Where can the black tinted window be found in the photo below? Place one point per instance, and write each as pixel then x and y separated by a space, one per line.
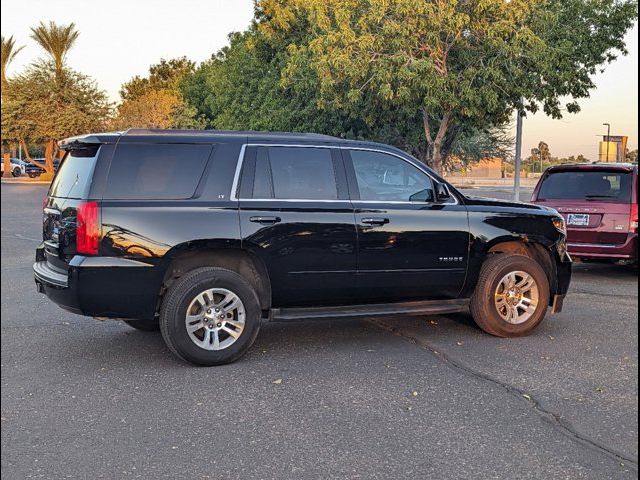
pixel 300 173
pixel 73 179
pixel 383 177
pixel 156 171
pixel 262 185
pixel 603 186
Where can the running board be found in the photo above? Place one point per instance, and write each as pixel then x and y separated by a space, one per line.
pixel 429 307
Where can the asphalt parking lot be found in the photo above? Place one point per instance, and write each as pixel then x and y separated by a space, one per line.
pixel 401 398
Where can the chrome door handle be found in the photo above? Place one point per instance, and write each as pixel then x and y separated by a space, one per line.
pixel 265 220
pixel 375 221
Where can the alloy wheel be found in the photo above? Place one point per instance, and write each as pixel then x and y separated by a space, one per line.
pixel 517 297
pixel 215 319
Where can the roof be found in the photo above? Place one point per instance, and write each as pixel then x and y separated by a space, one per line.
pixel 225 133
pixel 206 136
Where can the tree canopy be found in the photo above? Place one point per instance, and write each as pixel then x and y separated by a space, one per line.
pixel 449 61
pixel 241 87
pixel 41 108
pixel 156 101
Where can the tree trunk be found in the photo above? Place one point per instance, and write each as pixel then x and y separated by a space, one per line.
pixel 436 143
pixel 25 149
pixel 49 155
pixel 6 162
pixel 437 157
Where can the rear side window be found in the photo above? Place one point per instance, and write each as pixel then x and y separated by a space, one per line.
pixel 156 172
pixel 75 174
pixel 602 186
pixel 300 173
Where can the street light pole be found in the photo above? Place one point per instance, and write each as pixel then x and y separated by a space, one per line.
pixel 608 139
pixel 518 158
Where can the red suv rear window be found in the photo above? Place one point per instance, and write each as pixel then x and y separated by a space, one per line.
pixel 589 185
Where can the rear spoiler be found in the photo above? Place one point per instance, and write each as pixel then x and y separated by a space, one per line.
pixel 84 142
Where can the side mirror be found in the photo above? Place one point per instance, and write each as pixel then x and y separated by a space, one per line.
pixel 442 192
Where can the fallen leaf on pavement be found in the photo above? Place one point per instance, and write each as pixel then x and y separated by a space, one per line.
pixel 278 381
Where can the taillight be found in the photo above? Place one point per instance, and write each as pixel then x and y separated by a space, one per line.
pixel 88 228
pixel 45 200
pixel 633 225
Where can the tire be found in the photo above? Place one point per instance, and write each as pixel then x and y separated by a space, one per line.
pixel 489 314
pixel 191 294
pixel 16 172
pixel 144 325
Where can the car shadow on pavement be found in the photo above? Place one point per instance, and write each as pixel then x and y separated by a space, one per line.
pixel 113 343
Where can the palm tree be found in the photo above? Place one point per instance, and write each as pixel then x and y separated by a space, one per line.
pixel 9 52
pixel 56 40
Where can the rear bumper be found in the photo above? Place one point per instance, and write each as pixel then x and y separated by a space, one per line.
pixel 627 250
pixel 100 286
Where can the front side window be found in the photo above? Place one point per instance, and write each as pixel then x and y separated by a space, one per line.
pixel 387 178
pixel 158 171
pixel 301 173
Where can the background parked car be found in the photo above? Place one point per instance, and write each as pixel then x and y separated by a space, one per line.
pixel 17 167
pixel 599 202
pixel 36 168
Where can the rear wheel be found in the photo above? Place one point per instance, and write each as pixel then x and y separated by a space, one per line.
pixel 144 325
pixel 16 172
pixel 511 296
pixel 210 316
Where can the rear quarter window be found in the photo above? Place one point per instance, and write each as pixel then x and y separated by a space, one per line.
pixel 73 179
pixel 156 172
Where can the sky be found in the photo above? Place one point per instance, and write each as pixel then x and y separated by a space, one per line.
pixel 121 38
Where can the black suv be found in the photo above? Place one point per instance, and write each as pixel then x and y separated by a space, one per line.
pixel 206 234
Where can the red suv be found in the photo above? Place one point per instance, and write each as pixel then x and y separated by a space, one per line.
pixel 599 202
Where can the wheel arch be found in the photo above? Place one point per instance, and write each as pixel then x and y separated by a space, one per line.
pixel 529 248
pixel 206 253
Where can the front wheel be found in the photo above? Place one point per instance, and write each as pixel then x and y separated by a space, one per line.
pixel 210 316
pixel 511 296
pixel 16 172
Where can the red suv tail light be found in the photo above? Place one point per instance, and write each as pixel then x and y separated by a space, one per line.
pixel 633 225
pixel 88 228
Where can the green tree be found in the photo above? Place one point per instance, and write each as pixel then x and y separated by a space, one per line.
pixel 451 61
pixel 540 157
pixel 56 40
pixel 241 88
pixel 166 75
pixel 9 52
pixel 157 101
pixel 41 107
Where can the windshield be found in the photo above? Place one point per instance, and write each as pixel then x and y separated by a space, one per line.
pixel 74 176
pixel 592 185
